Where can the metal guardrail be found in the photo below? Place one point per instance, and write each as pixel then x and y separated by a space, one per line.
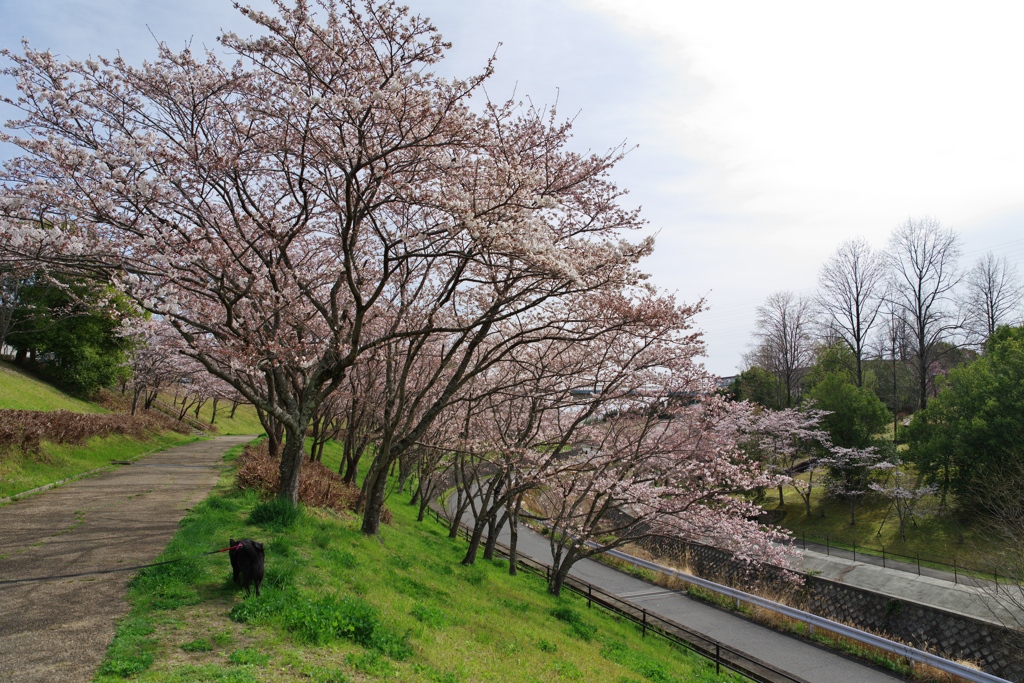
pixel 723 656
pixel 700 646
pixel 813 620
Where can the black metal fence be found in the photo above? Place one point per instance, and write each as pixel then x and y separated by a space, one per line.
pixel 723 656
pixel 922 565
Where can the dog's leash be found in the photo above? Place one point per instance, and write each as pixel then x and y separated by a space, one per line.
pixel 119 569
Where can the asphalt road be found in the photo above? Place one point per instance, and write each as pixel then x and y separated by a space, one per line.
pixel 58 630
pixel 788 653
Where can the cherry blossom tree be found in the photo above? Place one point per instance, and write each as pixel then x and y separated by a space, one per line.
pixel 902 493
pixel 850 471
pixel 523 414
pixel 154 359
pixel 786 441
pixel 676 471
pixel 324 195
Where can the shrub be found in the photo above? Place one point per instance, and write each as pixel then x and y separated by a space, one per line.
pixel 323 620
pixel 128 665
pixel 27 429
pixel 275 513
pixel 318 485
pixel 319 622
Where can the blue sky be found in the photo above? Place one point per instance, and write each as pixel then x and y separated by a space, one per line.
pixel 767 133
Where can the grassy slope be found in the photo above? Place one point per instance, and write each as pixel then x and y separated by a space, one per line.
pixel 427 617
pixel 20 472
pixel 938 534
pixel 20 391
pixel 245 421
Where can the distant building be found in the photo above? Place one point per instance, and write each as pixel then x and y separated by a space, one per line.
pixel 724 382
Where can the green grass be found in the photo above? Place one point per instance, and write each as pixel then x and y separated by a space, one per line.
pixel 939 534
pixel 245 420
pixel 21 472
pixel 21 391
pixel 339 606
pixel 333 454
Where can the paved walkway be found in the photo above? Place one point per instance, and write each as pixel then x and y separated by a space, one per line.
pixel 58 630
pixel 788 653
pixel 976 599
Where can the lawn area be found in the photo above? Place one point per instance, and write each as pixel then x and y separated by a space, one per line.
pixel 21 391
pixel 939 534
pixel 22 472
pixel 245 420
pixel 338 606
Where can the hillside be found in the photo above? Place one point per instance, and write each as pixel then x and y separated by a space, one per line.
pixel 22 471
pixel 338 606
pixel 245 420
pixel 21 391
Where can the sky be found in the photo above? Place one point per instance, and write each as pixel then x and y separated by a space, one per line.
pixel 761 135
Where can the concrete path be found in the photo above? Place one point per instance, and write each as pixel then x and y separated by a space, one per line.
pixel 58 630
pixel 973 598
pixel 793 655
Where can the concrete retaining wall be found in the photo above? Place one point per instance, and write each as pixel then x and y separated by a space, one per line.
pixel 999 651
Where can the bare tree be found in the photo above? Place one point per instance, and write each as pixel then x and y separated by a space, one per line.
pixel 784 340
pixel 993 296
pixel 891 344
pixel 850 293
pixel 923 261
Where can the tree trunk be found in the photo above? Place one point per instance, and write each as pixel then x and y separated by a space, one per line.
pixel 923 383
pixel 461 505
pixel 213 417
pixel 404 470
pixel 274 431
pixel 416 491
pixel 374 504
pixel 316 438
pixel 782 501
pixel 474 540
pixel 234 407
pixel 494 528
pixel 513 542
pixel 291 464
pixel 375 488
pixel 424 504
pixel 558 577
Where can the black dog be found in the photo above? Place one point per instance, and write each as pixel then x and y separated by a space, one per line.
pixel 247 561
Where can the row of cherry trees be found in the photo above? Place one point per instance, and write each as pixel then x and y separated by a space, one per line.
pixel 364 249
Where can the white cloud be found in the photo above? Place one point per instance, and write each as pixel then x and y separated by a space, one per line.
pixel 767 131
